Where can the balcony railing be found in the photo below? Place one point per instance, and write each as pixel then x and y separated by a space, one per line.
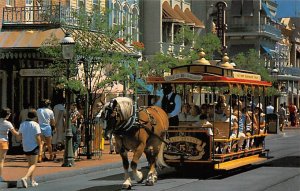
pixel 52 14
pixel 271 30
pixel 175 49
pixel 242 28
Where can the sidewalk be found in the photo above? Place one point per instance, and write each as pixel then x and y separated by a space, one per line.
pixel 15 167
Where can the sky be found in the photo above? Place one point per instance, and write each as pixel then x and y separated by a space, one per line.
pixel 288 8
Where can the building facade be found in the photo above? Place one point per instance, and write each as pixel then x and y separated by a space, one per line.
pixel 26 25
pixel 253 24
pixel 161 20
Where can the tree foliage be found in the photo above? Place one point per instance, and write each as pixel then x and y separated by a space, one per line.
pixel 193 42
pixel 99 63
pixel 251 61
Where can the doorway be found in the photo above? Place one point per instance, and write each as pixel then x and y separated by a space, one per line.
pixel 3 88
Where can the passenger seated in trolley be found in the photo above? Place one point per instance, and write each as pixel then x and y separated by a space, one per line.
pixel 259 122
pixel 220 113
pixel 195 112
pixel 238 132
pixel 203 122
pixel 247 121
pixel 208 110
pixel 232 119
pixel 204 108
pixel 185 112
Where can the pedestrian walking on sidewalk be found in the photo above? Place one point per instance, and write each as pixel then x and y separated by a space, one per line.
pixel 76 121
pixel 282 117
pixel 293 112
pixel 60 119
pixel 5 127
pixel 46 121
pixel 30 132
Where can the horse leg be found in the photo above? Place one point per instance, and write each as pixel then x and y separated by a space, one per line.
pixel 127 180
pixel 138 176
pixel 152 174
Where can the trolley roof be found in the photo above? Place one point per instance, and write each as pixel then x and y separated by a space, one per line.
pixel 209 75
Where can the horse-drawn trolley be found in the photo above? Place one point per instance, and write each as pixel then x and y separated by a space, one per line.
pixel 231 129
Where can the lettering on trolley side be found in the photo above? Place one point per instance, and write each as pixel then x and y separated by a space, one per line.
pixel 187 144
pixel 183 75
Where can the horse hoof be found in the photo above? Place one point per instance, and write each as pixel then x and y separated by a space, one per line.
pixel 140 181
pixel 126 187
pixel 149 183
pixel 155 179
pixel 139 178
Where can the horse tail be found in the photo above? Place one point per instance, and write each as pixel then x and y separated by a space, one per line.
pixel 160 162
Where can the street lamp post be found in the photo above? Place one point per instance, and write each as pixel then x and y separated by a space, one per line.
pixel 67 45
pixel 274 73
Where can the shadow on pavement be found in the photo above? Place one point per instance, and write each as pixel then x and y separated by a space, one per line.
pixel 114 187
pixel 288 161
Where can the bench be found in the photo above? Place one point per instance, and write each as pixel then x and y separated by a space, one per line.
pixel 221 131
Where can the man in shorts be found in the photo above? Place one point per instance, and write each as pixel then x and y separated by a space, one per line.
pixel 31 139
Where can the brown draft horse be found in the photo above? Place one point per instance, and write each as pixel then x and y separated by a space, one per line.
pixel 142 135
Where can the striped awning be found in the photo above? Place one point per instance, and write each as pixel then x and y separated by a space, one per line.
pixel 267 11
pixel 187 20
pixel 169 15
pixel 13 43
pixel 191 15
pixel 268 51
pixel 27 39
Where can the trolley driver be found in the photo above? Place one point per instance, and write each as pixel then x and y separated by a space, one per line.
pixel 170 102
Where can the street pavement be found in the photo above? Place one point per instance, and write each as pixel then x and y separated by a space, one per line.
pixel 15 167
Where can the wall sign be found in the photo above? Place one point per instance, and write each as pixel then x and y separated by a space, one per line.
pixel 221 24
pixel 39 72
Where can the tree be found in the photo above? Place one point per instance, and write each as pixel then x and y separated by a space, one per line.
pixel 99 62
pixel 160 63
pixel 251 61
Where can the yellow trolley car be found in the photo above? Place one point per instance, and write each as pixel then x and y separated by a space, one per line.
pixel 202 83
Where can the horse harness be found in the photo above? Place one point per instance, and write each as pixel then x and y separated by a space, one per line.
pixel 133 123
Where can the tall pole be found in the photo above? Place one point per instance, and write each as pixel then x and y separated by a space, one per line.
pixel 88 129
pixel 67 45
pixel 68 154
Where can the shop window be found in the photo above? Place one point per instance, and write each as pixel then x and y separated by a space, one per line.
pixel 81 4
pixel 134 27
pixel 9 2
pixel 126 23
pixel 116 16
pixel 96 5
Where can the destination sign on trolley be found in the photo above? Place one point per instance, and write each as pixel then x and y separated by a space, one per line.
pixel 246 76
pixel 183 75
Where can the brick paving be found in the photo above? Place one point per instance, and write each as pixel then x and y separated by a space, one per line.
pixel 15 166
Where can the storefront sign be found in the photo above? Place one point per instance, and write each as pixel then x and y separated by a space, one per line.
pixel 39 72
pixel 221 24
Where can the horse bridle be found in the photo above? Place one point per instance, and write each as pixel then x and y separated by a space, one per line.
pixel 113 111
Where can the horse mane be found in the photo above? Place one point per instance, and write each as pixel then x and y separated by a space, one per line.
pixel 125 104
